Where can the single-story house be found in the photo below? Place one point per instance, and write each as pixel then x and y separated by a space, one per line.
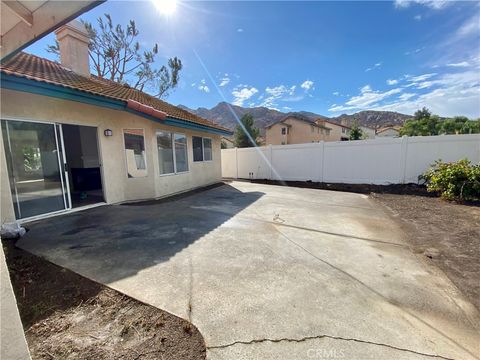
pixel 71 139
pixel 388 131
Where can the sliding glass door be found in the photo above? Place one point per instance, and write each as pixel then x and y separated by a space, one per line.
pixel 35 167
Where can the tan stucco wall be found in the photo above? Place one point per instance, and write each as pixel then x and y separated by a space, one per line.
pixel 388 133
pixel 336 133
pixel 300 133
pixel 117 186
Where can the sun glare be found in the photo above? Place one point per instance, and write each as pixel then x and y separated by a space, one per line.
pixel 165 7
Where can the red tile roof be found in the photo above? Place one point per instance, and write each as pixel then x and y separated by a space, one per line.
pixel 40 69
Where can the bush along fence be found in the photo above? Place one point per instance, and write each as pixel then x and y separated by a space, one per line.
pixel 377 161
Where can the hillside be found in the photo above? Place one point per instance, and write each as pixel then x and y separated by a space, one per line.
pixel 373 119
pixel 221 114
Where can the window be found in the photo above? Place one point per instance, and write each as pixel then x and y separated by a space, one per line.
pixel 197 148
pixel 327 131
pixel 207 149
pixel 170 161
pixel 202 149
pixel 181 156
pixel 284 131
pixel 135 152
pixel 344 131
pixel 165 152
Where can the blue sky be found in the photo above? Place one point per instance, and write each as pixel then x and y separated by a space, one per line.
pixel 325 57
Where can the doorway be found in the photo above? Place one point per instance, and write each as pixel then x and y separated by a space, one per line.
pixel 83 164
pixel 34 166
pixel 51 167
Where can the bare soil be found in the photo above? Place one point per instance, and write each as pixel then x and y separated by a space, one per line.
pixel 404 189
pixel 446 233
pixel 66 316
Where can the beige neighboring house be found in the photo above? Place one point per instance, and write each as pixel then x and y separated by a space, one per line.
pixel 368 133
pixel 295 129
pixel 228 142
pixel 339 132
pixel 388 131
pixel 71 139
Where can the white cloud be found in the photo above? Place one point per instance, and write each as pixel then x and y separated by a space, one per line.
pixel 240 30
pixel 460 64
pixel 418 17
pixel 225 80
pixel 367 98
pixel 279 93
pixel 203 86
pixel 433 4
pixel 336 93
pixel 416 51
pixel 392 81
pixel 447 94
pixel 470 27
pixel 406 96
pixel 375 66
pixel 419 78
pixel 307 85
pixel 242 93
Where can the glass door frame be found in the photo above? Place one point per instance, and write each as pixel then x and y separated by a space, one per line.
pixel 62 163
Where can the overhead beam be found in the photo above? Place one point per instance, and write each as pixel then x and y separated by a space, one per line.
pixel 46 18
pixel 21 11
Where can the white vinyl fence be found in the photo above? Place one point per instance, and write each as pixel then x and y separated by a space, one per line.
pixel 377 161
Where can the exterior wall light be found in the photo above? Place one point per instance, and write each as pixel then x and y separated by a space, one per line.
pixel 108 132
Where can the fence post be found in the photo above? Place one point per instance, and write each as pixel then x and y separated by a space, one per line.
pixel 236 163
pixel 321 159
pixel 403 159
pixel 270 155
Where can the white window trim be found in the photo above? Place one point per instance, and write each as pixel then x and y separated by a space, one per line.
pixel 203 149
pixel 125 154
pixel 172 138
pixel 175 155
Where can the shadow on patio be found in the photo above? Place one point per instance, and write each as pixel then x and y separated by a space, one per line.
pixel 115 242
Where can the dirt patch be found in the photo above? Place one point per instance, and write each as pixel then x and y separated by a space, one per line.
pixel 404 189
pixel 447 234
pixel 66 316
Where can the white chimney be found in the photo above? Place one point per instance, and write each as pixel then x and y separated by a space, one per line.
pixel 73 42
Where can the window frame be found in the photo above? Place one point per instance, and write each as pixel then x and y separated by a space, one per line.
pixel 125 152
pixel 175 154
pixel 172 139
pixel 203 149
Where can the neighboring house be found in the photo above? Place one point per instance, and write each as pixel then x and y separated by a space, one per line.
pixel 71 139
pixel 227 142
pixel 388 131
pixel 295 129
pixel 368 133
pixel 339 132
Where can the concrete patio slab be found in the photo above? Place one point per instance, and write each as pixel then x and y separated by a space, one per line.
pixel 271 272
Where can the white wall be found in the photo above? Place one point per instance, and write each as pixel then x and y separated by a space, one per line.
pixel 376 161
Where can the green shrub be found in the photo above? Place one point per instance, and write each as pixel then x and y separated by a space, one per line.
pixel 454 181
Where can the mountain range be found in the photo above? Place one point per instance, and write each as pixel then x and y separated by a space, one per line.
pixel 222 115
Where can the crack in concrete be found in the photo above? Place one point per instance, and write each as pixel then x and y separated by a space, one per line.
pixel 306 338
pixel 190 289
